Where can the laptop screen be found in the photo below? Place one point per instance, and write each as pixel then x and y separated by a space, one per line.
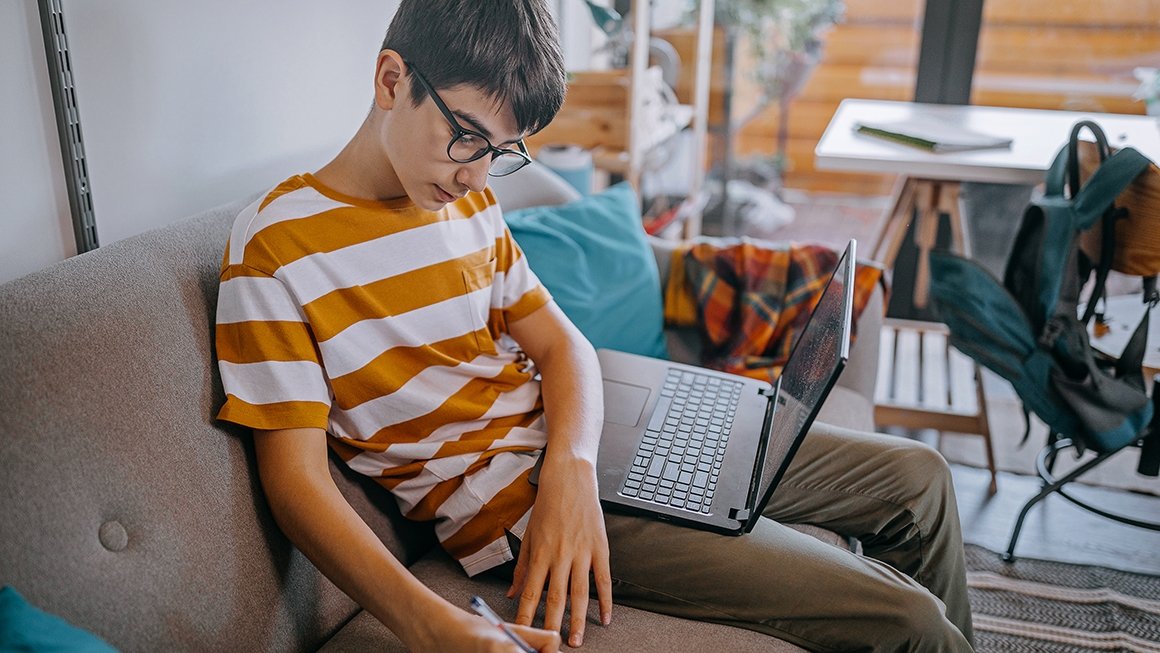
pixel 821 351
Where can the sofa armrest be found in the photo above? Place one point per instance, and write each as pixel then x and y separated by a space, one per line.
pixel 861 373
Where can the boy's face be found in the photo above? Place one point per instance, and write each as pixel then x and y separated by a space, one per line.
pixel 415 139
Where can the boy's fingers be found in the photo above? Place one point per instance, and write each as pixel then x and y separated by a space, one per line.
pixel 579 605
pixel 533 586
pixel 557 599
pixel 519 574
pixel 544 641
pixel 603 576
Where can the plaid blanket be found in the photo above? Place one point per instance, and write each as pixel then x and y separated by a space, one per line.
pixel 750 302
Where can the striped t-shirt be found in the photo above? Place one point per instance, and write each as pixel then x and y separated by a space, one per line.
pixel 386 325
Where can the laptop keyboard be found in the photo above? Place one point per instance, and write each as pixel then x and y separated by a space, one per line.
pixel 679 457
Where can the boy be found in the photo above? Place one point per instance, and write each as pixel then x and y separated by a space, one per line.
pixel 381 308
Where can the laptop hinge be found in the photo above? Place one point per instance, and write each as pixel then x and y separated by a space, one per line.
pixel 770 392
pixel 740 514
pixel 759 460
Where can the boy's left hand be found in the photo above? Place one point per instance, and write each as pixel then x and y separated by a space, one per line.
pixel 565 540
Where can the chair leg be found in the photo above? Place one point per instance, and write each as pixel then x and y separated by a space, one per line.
pixel 984 430
pixel 1009 556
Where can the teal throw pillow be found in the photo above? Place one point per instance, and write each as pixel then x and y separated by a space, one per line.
pixel 592 255
pixel 25 628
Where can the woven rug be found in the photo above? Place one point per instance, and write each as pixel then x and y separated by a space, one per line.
pixel 1052 607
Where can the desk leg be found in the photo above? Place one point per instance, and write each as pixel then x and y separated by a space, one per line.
pixel 932 199
pixel 925 237
pixel 892 228
pixel 948 203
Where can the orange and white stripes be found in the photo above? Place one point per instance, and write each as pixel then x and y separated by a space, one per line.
pixel 385 325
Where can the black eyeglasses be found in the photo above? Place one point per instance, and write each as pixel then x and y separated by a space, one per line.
pixel 467 145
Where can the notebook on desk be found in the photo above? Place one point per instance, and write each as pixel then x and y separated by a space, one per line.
pixel 705 448
pixel 932 134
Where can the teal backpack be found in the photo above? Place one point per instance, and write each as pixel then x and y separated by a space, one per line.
pixel 1027 329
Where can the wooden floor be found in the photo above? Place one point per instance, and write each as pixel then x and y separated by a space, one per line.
pixel 1055 529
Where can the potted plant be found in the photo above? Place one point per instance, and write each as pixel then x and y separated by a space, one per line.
pixel 784 37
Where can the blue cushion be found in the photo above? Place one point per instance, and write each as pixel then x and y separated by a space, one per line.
pixel 25 628
pixel 592 255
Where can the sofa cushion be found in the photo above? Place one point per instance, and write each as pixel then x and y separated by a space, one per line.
pixel 631 630
pixel 593 257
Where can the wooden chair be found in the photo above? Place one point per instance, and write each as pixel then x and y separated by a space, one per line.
pixel 923 382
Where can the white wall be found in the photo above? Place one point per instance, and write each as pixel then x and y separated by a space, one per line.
pixel 576 33
pixel 183 105
pixel 34 214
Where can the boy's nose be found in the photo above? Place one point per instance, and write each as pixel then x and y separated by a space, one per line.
pixel 474 174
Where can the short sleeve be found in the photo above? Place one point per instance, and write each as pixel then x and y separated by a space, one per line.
pixel 267 355
pixel 521 292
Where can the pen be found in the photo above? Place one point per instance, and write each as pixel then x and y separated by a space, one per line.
pixel 484 610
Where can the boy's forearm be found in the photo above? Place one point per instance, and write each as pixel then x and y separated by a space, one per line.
pixel 318 520
pixel 573 401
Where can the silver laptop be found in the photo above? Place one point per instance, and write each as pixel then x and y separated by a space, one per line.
pixel 705 448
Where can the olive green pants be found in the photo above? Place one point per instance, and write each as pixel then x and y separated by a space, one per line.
pixel 907 592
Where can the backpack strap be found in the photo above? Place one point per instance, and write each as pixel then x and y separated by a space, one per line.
pixel 1065 167
pixel 1026 424
pixel 1097 199
pixel 1104 264
pixel 1053 183
pixel 1131 360
pixel 1073 167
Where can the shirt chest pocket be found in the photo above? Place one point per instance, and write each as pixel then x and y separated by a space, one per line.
pixel 477 282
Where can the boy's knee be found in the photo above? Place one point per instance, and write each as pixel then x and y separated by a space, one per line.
pixel 917 622
pixel 924 468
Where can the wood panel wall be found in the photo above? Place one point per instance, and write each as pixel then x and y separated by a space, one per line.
pixel 1045 54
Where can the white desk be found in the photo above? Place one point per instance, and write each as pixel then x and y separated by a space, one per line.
pixel 1037 135
pixel 928 187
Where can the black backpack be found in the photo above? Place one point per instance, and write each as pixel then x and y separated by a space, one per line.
pixel 1027 330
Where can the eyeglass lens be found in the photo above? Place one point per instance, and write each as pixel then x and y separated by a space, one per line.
pixel 470 147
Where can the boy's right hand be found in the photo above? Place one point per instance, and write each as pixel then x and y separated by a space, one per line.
pixel 544 641
pixel 472 634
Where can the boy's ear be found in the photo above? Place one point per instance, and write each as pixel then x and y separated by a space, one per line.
pixel 389 70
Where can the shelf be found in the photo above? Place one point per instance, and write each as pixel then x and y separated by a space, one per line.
pixel 616 159
pixel 623 115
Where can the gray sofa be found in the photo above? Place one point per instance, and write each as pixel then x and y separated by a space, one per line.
pixel 129 511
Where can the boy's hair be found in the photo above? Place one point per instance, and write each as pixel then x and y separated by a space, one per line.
pixel 509 49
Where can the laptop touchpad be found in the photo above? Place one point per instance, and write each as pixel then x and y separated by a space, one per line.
pixel 623 403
